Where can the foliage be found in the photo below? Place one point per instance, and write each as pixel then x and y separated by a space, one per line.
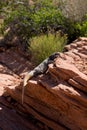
pixel 44 16
pixel 81 28
pixel 75 29
pixel 42 46
pixel 47 17
pixel 15 14
pixel 70 30
pixel 27 21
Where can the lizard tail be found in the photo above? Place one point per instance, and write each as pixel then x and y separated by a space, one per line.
pixel 26 78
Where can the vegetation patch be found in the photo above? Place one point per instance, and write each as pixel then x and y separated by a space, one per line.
pixel 44 45
pixel 38 24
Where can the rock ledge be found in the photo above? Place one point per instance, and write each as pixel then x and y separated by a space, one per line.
pixel 59 97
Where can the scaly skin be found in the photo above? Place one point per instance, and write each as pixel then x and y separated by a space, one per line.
pixel 40 69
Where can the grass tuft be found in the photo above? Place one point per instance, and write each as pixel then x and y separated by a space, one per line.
pixel 43 46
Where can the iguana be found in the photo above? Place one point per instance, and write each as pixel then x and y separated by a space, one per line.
pixel 40 69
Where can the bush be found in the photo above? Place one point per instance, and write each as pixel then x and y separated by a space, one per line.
pixel 81 28
pixel 15 17
pixel 28 21
pixel 46 16
pixel 43 46
pixel 75 29
pixel 43 16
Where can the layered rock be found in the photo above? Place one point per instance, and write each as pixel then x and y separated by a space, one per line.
pixel 58 98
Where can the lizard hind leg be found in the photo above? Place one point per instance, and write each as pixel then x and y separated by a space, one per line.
pixel 27 77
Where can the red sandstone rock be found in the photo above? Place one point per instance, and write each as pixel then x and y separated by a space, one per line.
pixel 57 98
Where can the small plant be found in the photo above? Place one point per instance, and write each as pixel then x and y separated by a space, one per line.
pixel 43 46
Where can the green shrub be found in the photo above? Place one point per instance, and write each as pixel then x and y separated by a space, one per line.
pixel 75 29
pixel 28 21
pixel 81 28
pixel 15 17
pixel 46 16
pixel 42 46
pixel 43 17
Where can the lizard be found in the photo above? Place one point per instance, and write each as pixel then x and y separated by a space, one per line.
pixel 40 69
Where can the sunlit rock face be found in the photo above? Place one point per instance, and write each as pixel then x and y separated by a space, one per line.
pixel 58 97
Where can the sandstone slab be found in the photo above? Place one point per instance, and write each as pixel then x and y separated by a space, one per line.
pixel 57 98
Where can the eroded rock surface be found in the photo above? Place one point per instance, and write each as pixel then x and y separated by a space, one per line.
pixel 57 98
pixel 12 68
